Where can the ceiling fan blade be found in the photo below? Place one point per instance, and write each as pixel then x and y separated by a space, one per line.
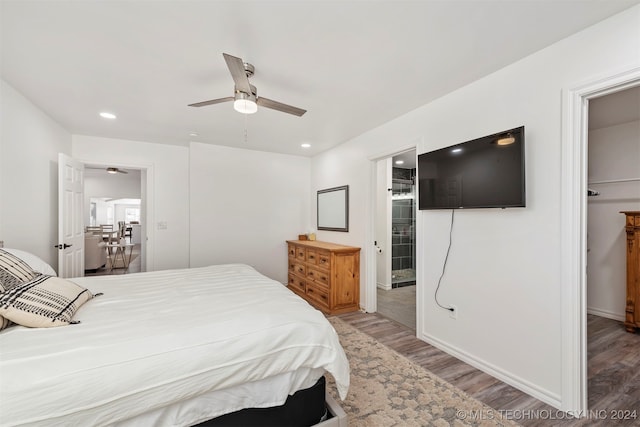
pixel 211 102
pixel 113 170
pixel 236 68
pixel 275 105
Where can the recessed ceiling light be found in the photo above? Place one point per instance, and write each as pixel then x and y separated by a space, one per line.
pixel 305 145
pixel 399 162
pixel 456 150
pixel 106 115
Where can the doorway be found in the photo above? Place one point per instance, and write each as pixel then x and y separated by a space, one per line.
pixel 114 209
pixel 574 241
pixel 613 179
pixel 396 233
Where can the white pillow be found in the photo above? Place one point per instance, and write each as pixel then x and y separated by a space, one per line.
pixel 34 262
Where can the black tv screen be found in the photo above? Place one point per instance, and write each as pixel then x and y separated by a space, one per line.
pixel 487 172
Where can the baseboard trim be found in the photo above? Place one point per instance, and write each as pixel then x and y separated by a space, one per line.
pixel 383 286
pixel 521 384
pixel 605 313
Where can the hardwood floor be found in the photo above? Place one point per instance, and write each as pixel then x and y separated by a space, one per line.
pixel 399 304
pixel 134 266
pixel 613 373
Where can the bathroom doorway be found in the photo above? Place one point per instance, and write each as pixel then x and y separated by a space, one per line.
pixel 403 222
pixel 396 219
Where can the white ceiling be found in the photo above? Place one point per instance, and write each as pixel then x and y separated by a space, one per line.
pixel 353 65
pixel 408 159
pixel 617 108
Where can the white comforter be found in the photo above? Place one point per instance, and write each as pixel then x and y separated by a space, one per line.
pixel 156 339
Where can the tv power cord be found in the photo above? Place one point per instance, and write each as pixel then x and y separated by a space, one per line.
pixel 444 265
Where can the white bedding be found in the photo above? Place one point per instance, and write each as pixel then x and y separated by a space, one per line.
pixel 156 339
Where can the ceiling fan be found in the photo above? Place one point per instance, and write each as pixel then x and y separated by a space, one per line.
pixel 246 99
pixel 116 170
pixel 110 169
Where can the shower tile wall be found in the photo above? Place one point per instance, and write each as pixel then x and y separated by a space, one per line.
pixel 402 245
pixel 403 221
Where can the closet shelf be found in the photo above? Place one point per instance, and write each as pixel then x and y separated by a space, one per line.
pixel 613 181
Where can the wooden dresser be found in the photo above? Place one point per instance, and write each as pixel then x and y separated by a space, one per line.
pixel 325 274
pixel 632 309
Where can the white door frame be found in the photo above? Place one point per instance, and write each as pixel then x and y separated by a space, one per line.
pixel 574 230
pixel 370 297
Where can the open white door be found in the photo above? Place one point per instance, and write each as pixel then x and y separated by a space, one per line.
pixel 70 217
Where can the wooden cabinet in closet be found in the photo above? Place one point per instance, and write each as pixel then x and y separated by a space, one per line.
pixel 632 309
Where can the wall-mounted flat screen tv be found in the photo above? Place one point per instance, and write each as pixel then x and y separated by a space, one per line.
pixel 487 172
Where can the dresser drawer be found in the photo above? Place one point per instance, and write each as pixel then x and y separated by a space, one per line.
pixel 633 220
pixel 301 254
pixel 312 257
pixel 318 294
pixel 324 260
pixel 318 275
pixel 297 283
pixel 298 268
pixel 292 251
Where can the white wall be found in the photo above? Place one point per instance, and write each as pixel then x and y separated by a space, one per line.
pixel 29 145
pixel 504 267
pixel 120 211
pixel 102 212
pixel 168 197
pixel 245 205
pixel 614 153
pixel 98 184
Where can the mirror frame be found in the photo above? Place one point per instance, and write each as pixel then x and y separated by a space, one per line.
pixel 333 209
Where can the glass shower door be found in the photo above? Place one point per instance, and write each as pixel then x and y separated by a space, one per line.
pixel 403 225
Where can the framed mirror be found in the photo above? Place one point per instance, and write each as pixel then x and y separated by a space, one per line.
pixel 333 209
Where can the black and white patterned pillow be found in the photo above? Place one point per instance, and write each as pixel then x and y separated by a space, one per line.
pixel 13 271
pixel 43 302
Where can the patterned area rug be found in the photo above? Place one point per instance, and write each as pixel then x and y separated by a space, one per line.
pixel 387 389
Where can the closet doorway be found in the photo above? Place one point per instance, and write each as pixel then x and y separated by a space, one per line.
pixel 613 186
pixel 396 237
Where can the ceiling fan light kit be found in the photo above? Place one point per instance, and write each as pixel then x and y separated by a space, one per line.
pixel 245 104
pixel 245 99
pixel 115 170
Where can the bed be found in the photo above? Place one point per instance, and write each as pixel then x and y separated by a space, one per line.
pixel 171 348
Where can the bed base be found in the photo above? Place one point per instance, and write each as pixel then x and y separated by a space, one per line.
pixel 336 417
pixel 303 408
